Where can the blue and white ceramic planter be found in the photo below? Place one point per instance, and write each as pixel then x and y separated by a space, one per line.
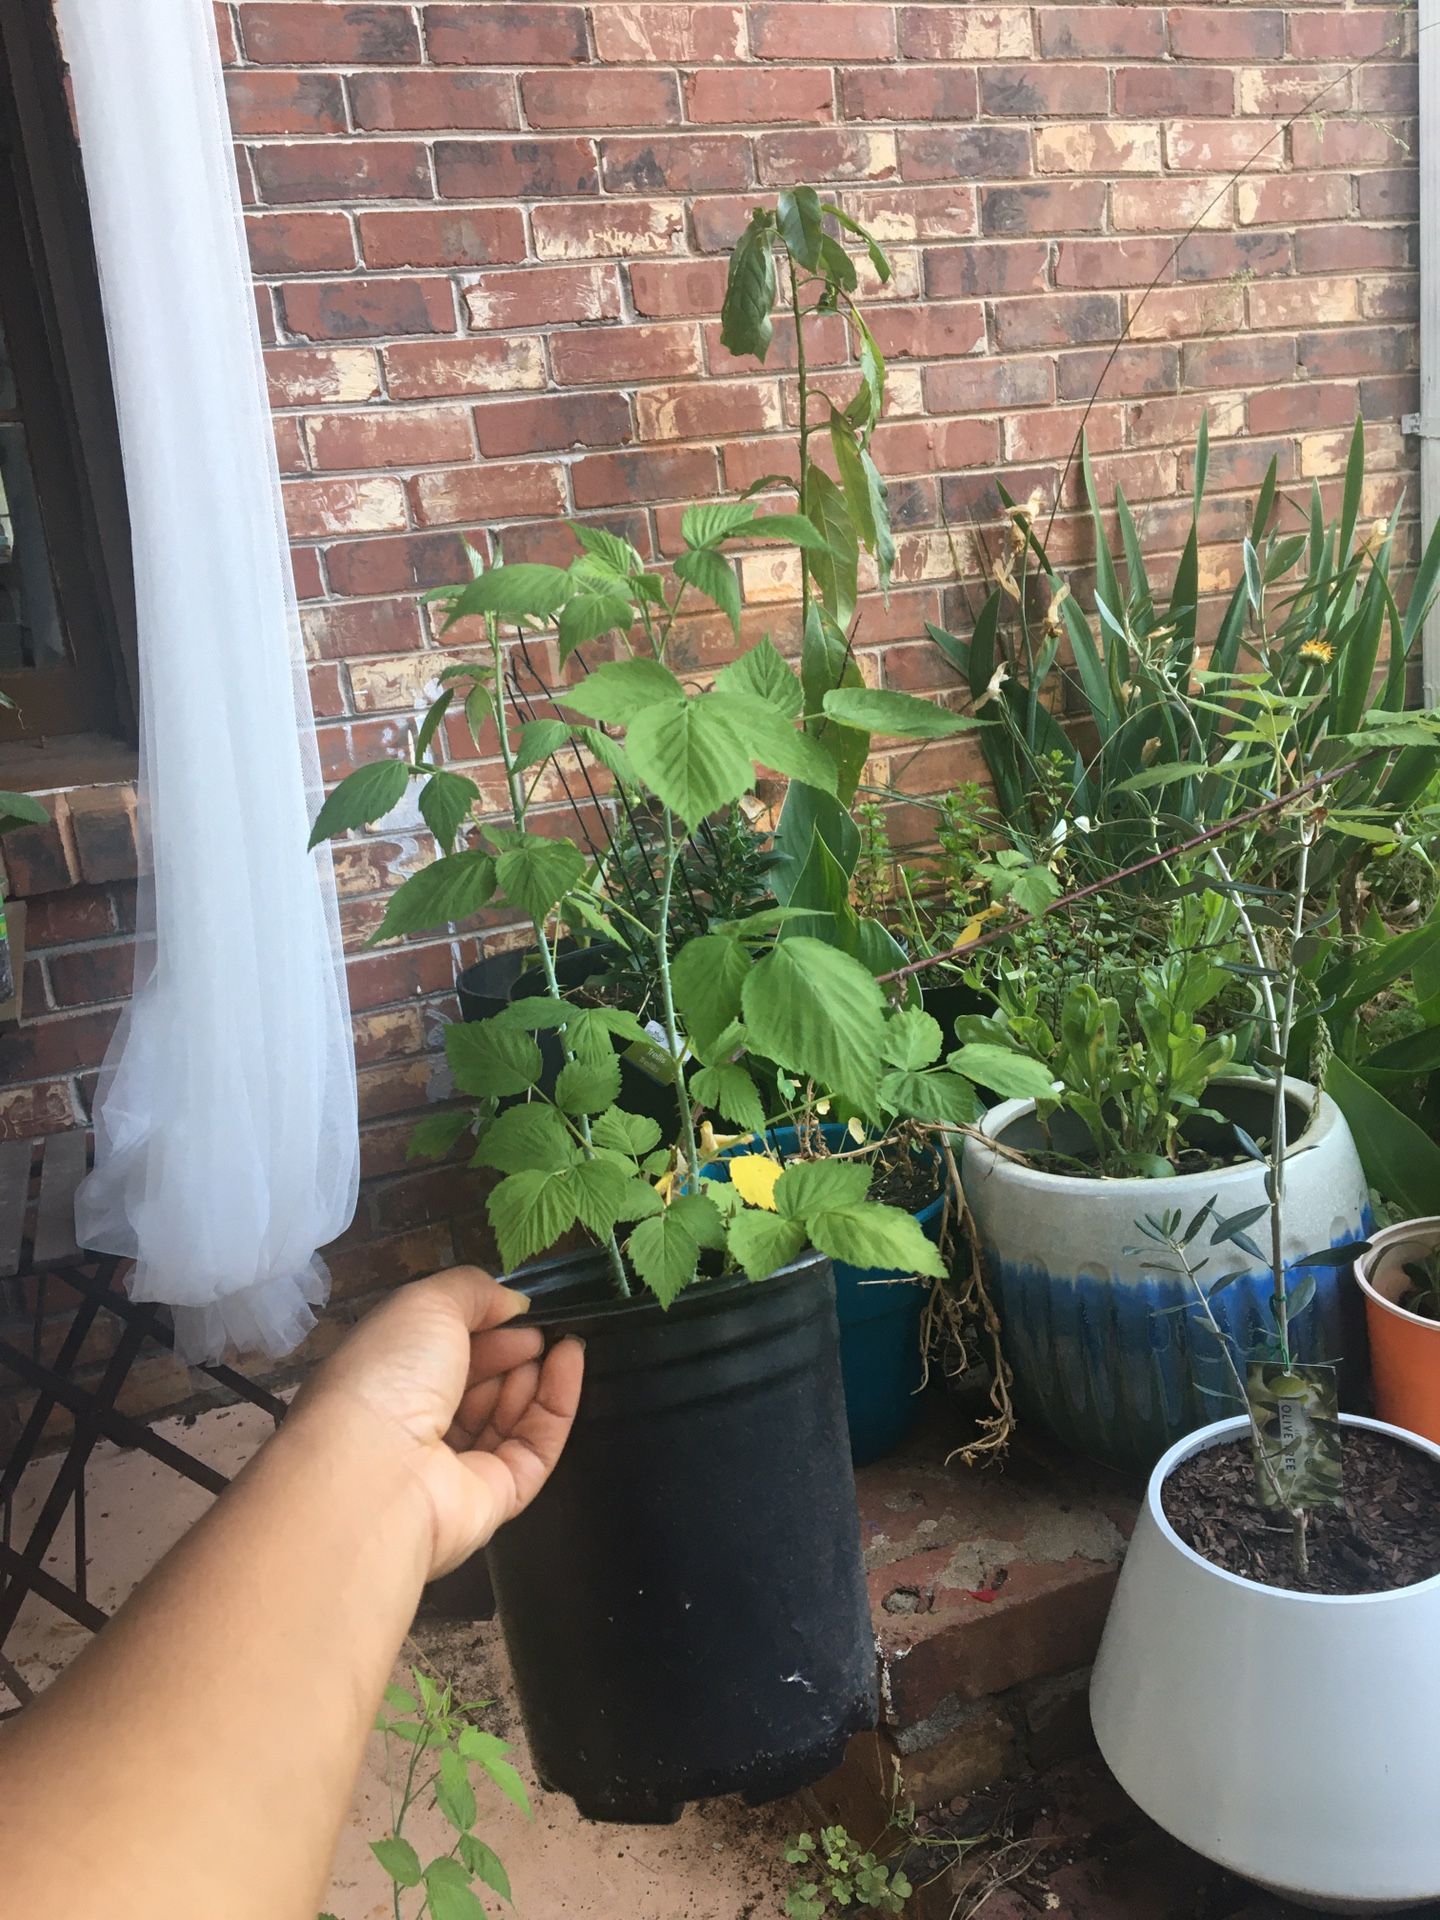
pixel 1105 1353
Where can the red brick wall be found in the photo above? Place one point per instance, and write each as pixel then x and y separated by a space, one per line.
pixel 489 246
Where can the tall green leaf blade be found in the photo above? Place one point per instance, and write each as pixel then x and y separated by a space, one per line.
pixel 836 571
pixel 1354 486
pixel 746 326
pixel 878 710
pixel 797 214
pixel 1400 1159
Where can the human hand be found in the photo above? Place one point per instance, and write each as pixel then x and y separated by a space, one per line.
pixel 482 1417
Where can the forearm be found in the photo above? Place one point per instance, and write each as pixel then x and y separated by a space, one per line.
pixel 197 1761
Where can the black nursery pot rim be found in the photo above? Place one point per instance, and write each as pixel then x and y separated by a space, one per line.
pixel 584 1301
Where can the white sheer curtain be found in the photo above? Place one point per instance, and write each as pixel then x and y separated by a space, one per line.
pixel 227 1148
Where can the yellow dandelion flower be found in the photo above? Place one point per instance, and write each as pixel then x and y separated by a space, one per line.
pixel 754 1176
pixel 1320 650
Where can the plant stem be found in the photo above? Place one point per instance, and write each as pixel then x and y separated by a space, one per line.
pixel 675 1045
pixel 803 376
pixel 1278 1141
pixel 516 790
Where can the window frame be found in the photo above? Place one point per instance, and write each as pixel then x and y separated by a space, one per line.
pixel 55 340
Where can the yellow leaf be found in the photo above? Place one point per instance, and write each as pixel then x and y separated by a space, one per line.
pixel 754 1176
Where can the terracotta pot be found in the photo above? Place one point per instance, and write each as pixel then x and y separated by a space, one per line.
pixel 1404 1346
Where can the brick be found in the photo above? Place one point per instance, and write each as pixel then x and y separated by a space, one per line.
pixel 102 831
pixel 341 632
pixel 1394 296
pixel 798 29
pixel 611 479
pixel 37 860
pixel 541 296
pixel 1345 36
pixel 1033 91
pixel 630 98
pixel 1148 206
pixel 1061 320
pixel 982 270
pixel 1239 363
pixel 1134 370
pixel 603 230
pixel 963 153
pixel 27 1113
pixel 1291 89
pixel 315 509
pixel 1086 264
pixel 1326 356
pixel 443 237
pixel 391 437
pixel 1381 88
pixel 310 376
pixel 923 446
pixel 825 153
pixel 628 353
pixel 515 169
pixel 554 423
pixel 293 34
pixel 43 1049
pixel 428 370
pixel 897 215
pixel 82 913
pixel 930 332
pixel 965 33
pixel 1276 304
pixel 1178 313
pixel 677 289
pixel 1051 434
pixel 975 385
pixel 1390 196
pixel 299 242
pixel 710 411
pixel 342 170
pixel 909 93
pixel 1102 33
pixel 486 35
pixel 1088 146
pixel 1173 89
pixel 1307 404
pixel 305 566
pixel 88 976
pixel 703 163
pixel 1169 423
pixel 1325 143
pixel 1061 206
pixel 432 102
pixel 225 33
pixel 668 34
pixel 734 96
pixel 289 448
pixel 1224 146
pixel 1227 33
pixel 285 103
pixel 368 309
pixel 1292 197
pixel 480 493
pixel 1218 256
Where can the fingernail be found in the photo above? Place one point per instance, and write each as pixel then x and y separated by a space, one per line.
pixel 577 1340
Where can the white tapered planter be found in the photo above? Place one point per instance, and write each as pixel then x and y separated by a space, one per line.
pixel 1293 1738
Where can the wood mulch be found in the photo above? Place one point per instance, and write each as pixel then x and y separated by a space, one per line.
pixel 1386 1536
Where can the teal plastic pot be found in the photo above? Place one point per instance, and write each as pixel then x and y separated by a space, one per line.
pixel 880 1316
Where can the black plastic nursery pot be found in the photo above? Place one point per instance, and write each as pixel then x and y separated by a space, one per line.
pixel 685 1604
